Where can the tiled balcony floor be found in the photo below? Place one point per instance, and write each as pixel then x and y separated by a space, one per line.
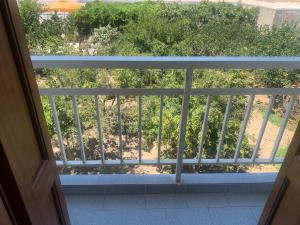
pixel 167 209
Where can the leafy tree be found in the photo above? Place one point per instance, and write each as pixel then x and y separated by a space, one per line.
pixel 100 14
pixel 30 11
pixel 100 41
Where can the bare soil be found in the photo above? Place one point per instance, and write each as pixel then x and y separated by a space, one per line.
pixel 269 137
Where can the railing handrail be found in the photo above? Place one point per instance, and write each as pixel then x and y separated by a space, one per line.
pixel 167 62
pixel 168 91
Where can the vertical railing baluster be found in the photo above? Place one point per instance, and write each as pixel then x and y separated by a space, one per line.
pixel 140 128
pixel 78 125
pixel 99 127
pixel 120 129
pixel 204 127
pixel 262 128
pixel 282 127
pixel 57 126
pixel 224 126
pixel 161 105
pixel 183 121
pixel 243 128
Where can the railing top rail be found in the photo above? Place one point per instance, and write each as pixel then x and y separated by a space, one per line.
pixel 168 91
pixel 168 62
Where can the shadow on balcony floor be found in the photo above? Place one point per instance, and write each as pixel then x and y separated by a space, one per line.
pixel 242 208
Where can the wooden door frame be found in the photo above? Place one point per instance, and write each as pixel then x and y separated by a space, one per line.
pixel 22 58
pixel 10 194
pixel 14 29
pixel 281 182
pixel 20 51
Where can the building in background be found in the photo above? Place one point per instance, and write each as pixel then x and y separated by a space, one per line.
pixel 60 7
pixel 276 12
pixel 271 12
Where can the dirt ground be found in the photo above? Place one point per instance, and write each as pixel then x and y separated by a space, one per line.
pixel 267 141
pixel 269 136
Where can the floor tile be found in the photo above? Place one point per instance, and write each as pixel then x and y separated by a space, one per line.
pixel 190 216
pixel 107 217
pixel 158 201
pixel 207 200
pixel 124 201
pixel 82 203
pixel 120 217
pixel 232 216
pixel 247 199
pixel 256 211
pixel 166 209
pixel 145 217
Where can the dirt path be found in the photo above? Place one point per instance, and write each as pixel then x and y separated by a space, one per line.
pixel 269 136
pixel 268 140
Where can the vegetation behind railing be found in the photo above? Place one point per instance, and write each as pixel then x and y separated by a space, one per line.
pixel 117 126
pixel 148 28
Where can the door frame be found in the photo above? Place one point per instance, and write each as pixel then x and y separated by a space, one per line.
pixel 11 192
pixel 281 183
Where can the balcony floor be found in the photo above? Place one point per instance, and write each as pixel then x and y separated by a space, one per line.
pixel 241 208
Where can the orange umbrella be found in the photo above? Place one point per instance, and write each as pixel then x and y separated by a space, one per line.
pixel 63 6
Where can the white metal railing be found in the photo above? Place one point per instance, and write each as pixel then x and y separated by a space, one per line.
pixel 189 64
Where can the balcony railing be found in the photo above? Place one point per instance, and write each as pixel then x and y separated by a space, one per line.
pixel 188 64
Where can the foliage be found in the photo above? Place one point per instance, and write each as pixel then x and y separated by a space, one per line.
pixel 100 14
pixel 44 36
pixel 100 41
pixel 274 118
pixel 281 152
pixel 30 13
pixel 160 29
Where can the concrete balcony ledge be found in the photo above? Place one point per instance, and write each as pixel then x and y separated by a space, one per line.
pixel 165 183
